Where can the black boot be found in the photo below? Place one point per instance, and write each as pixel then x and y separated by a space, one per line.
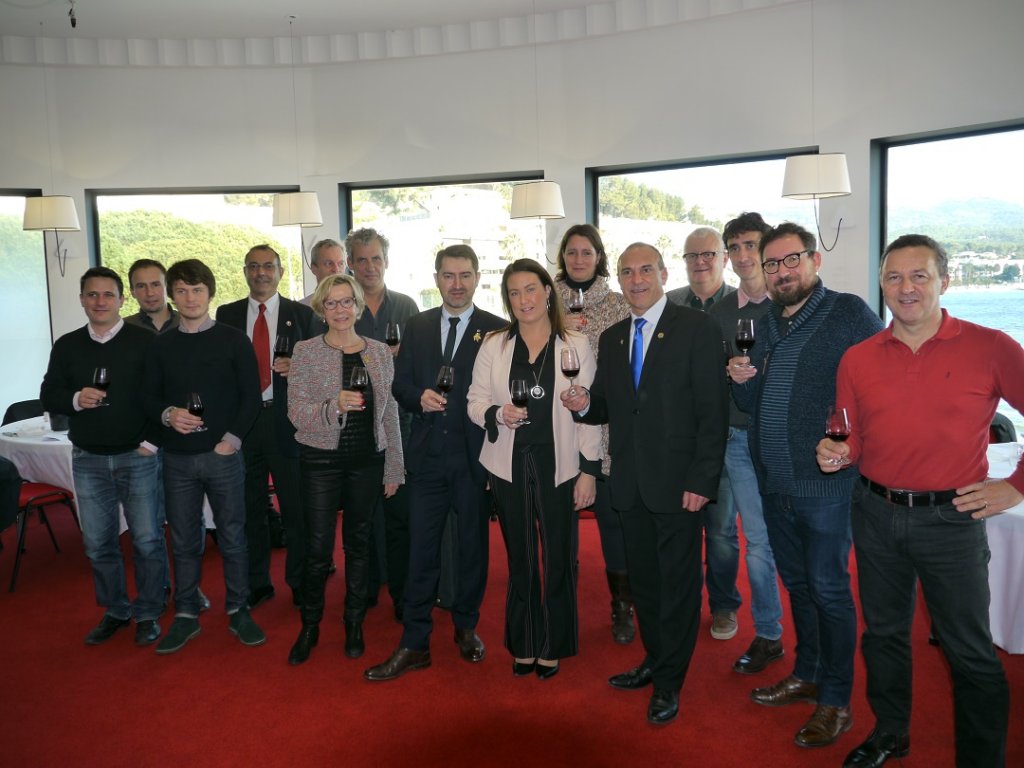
pixel 309 635
pixel 354 645
pixel 623 629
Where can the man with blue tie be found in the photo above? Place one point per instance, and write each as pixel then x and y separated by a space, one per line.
pixel 659 386
pixel 442 462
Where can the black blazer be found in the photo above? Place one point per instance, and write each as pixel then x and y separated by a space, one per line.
pixel 668 436
pixel 297 322
pixel 416 367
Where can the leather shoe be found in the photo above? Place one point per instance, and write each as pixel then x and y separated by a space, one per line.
pixel 403 660
pixel 105 629
pixel 471 647
pixel 544 671
pixel 877 748
pixel 663 708
pixel 147 632
pixel 309 636
pixel 637 677
pixel 825 726
pixel 260 595
pixel 204 601
pixel 787 691
pixel 759 655
pixel 354 645
pixel 522 668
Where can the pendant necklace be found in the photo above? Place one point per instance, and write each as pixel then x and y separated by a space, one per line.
pixel 537 391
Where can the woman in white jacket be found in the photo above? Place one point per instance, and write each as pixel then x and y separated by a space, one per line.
pixel 543 465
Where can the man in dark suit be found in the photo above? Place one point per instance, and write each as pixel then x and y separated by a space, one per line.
pixel 270 446
pixel 660 386
pixel 442 462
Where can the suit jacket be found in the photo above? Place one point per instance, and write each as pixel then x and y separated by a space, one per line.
pixel 416 367
pixel 669 435
pixel 297 322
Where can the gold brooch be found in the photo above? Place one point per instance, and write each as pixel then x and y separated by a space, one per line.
pixel 661 334
pixel 476 337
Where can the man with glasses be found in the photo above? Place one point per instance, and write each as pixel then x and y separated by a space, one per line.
pixel 805 333
pixel 274 324
pixel 749 301
pixel 327 257
pixel 704 253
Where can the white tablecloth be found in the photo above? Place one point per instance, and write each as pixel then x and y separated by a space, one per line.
pixel 1006 569
pixel 43 456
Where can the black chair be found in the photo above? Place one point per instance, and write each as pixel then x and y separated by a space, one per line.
pixel 25 409
pixel 37 496
pixel 1002 429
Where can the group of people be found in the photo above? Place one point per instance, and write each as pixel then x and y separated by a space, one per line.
pixel 632 404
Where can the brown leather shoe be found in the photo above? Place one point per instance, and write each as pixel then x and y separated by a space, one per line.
pixel 471 647
pixel 759 655
pixel 825 726
pixel 403 660
pixel 787 691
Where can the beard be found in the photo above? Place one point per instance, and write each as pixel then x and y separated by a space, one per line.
pixel 792 292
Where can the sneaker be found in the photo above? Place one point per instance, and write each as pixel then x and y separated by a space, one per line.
pixel 183 629
pixel 105 629
pixel 244 628
pixel 723 625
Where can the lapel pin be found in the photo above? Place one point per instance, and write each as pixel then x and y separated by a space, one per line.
pixel 476 337
pixel 288 323
pixel 661 334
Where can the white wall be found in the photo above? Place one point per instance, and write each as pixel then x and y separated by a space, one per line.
pixel 726 85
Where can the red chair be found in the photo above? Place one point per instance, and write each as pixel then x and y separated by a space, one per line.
pixel 37 496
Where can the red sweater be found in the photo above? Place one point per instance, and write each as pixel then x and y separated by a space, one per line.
pixel 919 421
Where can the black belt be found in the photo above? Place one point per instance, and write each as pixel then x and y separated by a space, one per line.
pixel 267 403
pixel 910 498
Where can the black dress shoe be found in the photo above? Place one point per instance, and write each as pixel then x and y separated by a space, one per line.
pixel 309 636
pixel 403 660
pixel 522 668
pixel 544 671
pixel 260 596
pixel 105 629
pixel 637 677
pixel 147 632
pixel 663 708
pixel 759 655
pixel 354 645
pixel 878 748
pixel 471 647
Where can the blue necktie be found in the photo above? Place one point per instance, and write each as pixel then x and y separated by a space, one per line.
pixel 638 351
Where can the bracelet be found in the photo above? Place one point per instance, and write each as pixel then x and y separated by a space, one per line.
pixel 165 417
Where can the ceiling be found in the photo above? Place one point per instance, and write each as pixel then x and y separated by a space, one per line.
pixel 208 19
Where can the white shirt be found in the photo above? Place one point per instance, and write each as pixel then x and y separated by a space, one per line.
pixel 460 329
pixel 273 304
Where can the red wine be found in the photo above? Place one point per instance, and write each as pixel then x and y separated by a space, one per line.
pixel 103 386
pixel 391 341
pixel 839 437
pixel 744 345
pixel 571 373
pixel 285 353
pixel 358 386
pixel 197 410
pixel 520 401
pixel 573 310
pixel 444 387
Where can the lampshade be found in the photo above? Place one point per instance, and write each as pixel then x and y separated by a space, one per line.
pixel 297 208
pixel 50 212
pixel 815 176
pixel 537 200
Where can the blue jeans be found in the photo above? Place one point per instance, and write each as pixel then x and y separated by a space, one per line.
pixel 222 478
pixel 741 496
pixel 811 538
pixel 948 551
pixel 103 485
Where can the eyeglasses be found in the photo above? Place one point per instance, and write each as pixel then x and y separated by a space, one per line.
pixel 347 303
pixel 791 260
pixel 269 266
pixel 703 256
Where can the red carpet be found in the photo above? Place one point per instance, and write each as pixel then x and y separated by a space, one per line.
pixel 217 703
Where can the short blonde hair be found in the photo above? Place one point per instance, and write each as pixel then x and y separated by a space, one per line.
pixel 329 282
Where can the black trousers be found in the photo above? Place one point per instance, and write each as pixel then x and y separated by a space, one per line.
pixel 328 485
pixel 389 550
pixel 663 554
pixel 263 456
pixel 541 535
pixel 443 484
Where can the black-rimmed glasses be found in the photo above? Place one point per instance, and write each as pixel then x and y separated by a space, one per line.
pixel 791 260
pixel 703 256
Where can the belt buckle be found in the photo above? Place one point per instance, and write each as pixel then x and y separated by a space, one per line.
pixel 903 498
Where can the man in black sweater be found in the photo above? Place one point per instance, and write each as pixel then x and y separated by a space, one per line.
pixel 114 464
pixel 201 384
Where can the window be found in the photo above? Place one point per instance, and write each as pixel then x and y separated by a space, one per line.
pixel 662 206
pixel 215 227
pixel 418 221
pixel 963 192
pixel 25 298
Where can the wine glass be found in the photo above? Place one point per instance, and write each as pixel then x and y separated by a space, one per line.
pixel 359 380
pixel 283 346
pixel 571 366
pixel 745 336
pixel 575 303
pixel 837 427
pixel 520 397
pixel 196 408
pixel 445 380
pixel 101 380
pixel 393 335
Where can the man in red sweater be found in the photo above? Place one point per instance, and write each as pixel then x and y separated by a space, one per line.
pixel 920 396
